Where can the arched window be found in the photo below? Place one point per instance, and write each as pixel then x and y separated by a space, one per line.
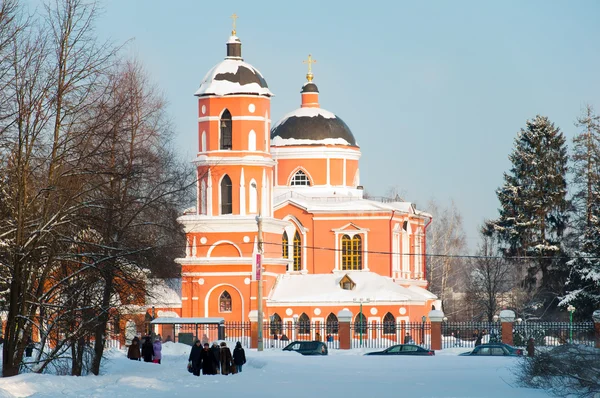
pixel 297 252
pixel 225 302
pixel 304 324
pixel 226 191
pixel 275 324
pixel 285 250
pixel 332 324
pixel 389 324
pixel 300 178
pixel 225 129
pixel 351 253
pixel 360 323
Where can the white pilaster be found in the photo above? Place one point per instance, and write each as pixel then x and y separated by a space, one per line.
pixel 209 195
pixel 242 194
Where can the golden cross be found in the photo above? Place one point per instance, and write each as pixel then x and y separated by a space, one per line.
pixel 309 61
pixel 234 17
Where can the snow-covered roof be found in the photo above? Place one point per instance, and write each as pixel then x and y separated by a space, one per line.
pixel 164 293
pixel 319 288
pixel 333 203
pixel 278 141
pixel 306 112
pixel 233 76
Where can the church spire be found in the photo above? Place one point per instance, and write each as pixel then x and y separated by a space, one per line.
pixel 310 92
pixel 234 45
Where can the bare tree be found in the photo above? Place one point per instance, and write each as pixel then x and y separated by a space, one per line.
pixel 445 240
pixel 489 277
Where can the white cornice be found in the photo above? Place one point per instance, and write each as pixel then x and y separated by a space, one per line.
pixel 316 152
pixel 247 118
pixel 340 303
pixel 194 223
pixel 244 160
pixel 210 261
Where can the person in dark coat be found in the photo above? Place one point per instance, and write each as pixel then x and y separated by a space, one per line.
pixel 479 337
pixel 209 362
pixel 239 357
pixel 216 351
pixel 195 358
pixel 29 347
pixel 530 347
pixel 225 359
pixel 407 338
pixel 147 350
pixel 133 352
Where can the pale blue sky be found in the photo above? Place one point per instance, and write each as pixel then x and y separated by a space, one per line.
pixel 434 91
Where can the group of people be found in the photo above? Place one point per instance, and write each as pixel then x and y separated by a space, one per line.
pixel 147 350
pixel 216 359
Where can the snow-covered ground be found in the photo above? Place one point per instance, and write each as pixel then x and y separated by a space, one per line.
pixel 274 373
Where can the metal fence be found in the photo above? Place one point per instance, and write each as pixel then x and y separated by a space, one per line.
pixel 468 334
pixel 383 335
pixel 277 335
pixel 553 333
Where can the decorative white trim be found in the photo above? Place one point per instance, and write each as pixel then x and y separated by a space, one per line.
pixel 218 118
pixel 250 160
pixel 406 251
pixel 216 286
pixel 314 152
pixel 215 274
pixel 252 141
pixel 293 173
pixel 339 233
pixel 291 233
pixel 325 218
pixel 267 142
pixel 272 304
pixel 263 193
pixel 220 242
pixel 229 223
pixel 203 142
pixel 242 193
pixel 209 195
pixel 253 197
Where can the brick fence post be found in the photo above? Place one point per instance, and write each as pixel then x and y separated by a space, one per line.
pixel 344 335
pixel 596 318
pixel 436 317
pixel 507 317
pixel 253 316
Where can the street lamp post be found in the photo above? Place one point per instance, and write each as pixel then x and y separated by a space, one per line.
pixel 259 258
pixel 361 324
pixel 571 310
pixel 423 320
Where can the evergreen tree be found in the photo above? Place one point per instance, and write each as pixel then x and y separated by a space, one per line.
pixel 534 208
pixel 583 285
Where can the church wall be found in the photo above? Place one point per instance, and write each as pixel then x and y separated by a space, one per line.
pixel 336 172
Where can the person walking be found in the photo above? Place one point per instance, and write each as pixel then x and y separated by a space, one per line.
pixel 478 340
pixel 157 348
pixel 195 358
pixel 225 359
pixel 147 349
pixel 209 362
pixel 216 351
pixel 133 352
pixel 239 357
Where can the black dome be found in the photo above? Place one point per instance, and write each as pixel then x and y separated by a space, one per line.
pixel 312 124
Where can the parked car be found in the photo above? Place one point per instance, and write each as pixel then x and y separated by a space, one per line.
pixel 495 349
pixel 307 347
pixel 403 349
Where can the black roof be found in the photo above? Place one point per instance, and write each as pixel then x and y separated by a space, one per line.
pixel 313 128
pixel 243 76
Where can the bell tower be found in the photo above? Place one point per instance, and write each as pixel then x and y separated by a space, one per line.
pixel 234 187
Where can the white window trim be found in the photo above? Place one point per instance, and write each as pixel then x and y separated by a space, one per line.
pixel 291 231
pixel 242 211
pixel 406 251
pixel 220 209
pixel 252 197
pixel 252 141
pixel 293 174
pixel 351 232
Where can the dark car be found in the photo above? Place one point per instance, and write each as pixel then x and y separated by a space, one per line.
pixel 495 349
pixel 307 347
pixel 403 349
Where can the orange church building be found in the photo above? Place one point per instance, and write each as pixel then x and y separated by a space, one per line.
pixel 325 247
